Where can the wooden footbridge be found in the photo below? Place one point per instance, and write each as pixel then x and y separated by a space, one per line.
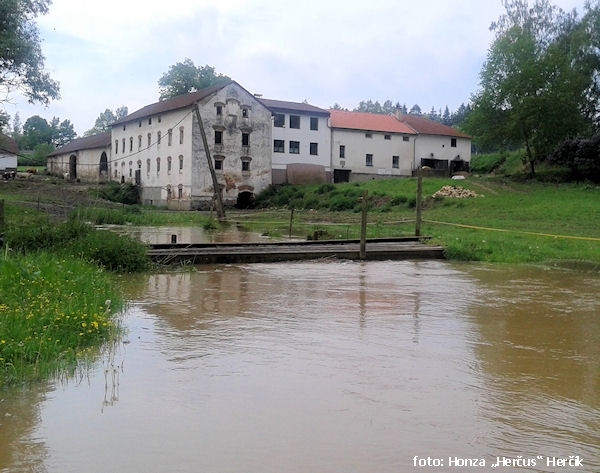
pixel 213 253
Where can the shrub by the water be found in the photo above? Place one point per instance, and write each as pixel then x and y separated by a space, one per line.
pixel 123 193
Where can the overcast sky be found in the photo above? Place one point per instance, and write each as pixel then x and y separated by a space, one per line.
pixel 112 53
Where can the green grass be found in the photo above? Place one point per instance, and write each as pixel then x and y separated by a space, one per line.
pixel 136 215
pixel 53 313
pixel 565 209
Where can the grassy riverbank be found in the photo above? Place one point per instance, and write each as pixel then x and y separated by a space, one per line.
pixel 55 280
pixel 565 209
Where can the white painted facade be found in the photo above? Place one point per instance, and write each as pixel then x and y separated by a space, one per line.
pixel 304 136
pixel 86 159
pixel 357 145
pixel 167 151
pixel 8 161
pixel 441 147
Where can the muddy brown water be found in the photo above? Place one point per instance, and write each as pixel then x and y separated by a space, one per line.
pixel 329 367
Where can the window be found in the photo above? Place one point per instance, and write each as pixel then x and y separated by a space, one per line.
pixel 149 120
pixel 295 121
pixel 148 166
pixel 159 119
pixel 396 162
pixel 342 151
pixel 279 120
pixel 219 110
pixel 180 162
pixel 123 142
pixel 170 137
pixel 369 160
pixel 180 135
pixel 453 142
pixel 405 138
pixel 245 112
pixel 279 146
pixel 157 165
pixel 131 143
pixel 245 139
pixel 314 149
pixel 158 137
pixel 368 135
pixel 116 146
pixel 218 164
pixel 218 137
pixel 294 147
pixel 169 164
pixel 245 165
pixel 140 124
pixel 314 123
pixel 387 137
pixel 139 141
pixel 124 126
pixel 149 139
pixel 180 192
pixel 169 191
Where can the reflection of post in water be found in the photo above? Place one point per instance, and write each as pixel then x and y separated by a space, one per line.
pixel 416 322
pixel 362 294
pixel 111 378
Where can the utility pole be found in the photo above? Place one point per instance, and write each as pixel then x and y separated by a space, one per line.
pixel 218 198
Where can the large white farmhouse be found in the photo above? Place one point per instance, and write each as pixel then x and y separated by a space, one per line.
pixel 366 146
pixel 301 143
pixel 159 147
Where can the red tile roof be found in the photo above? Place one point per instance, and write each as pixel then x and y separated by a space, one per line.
pixel 8 145
pixel 426 126
pixel 101 140
pixel 368 122
pixel 299 107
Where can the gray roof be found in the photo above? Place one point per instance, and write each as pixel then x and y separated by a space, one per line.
pixel 175 103
pixel 101 140
pixel 297 107
pixel 8 145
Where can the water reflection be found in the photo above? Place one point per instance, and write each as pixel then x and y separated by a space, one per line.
pixel 332 366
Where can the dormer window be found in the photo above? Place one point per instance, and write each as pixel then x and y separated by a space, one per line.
pixel 245 112
pixel 219 110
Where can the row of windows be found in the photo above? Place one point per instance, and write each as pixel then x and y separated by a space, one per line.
pixel 369 161
pixel 219 138
pixel 159 119
pixel 294 147
pixel 149 138
pixel 279 121
pixel 158 161
pixel 220 159
pixel 245 111
pixel 386 137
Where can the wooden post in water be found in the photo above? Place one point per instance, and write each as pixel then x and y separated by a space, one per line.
pixel 291 222
pixel 216 188
pixel 419 202
pixel 363 227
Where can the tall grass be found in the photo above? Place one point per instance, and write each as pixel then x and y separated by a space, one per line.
pixel 53 311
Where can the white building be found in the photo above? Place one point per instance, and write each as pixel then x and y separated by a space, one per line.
pixel 366 146
pixel 160 148
pixel 8 154
pixel 440 147
pixel 301 143
pixel 85 159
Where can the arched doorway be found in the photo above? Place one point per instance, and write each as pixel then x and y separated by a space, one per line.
pixel 103 164
pixel 245 200
pixel 73 167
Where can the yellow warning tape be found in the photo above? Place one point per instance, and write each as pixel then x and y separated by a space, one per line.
pixel 513 231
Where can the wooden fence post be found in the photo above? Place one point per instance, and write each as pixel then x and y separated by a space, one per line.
pixel 419 202
pixel 291 222
pixel 1 216
pixel 363 227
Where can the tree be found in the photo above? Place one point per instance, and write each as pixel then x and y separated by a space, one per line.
pixel 21 59
pixel 446 116
pixel 581 156
pixel 36 130
pixel 106 119
pixel 415 110
pixel 17 127
pixel 4 121
pixel 537 80
pixel 184 77
pixel 64 134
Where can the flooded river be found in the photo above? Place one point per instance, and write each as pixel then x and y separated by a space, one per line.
pixel 330 367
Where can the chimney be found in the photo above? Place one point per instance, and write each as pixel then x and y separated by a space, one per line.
pixel 398 114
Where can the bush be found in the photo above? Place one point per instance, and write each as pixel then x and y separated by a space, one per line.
pixel 340 202
pixel 400 199
pixel 29 238
pixel 123 193
pixel 324 188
